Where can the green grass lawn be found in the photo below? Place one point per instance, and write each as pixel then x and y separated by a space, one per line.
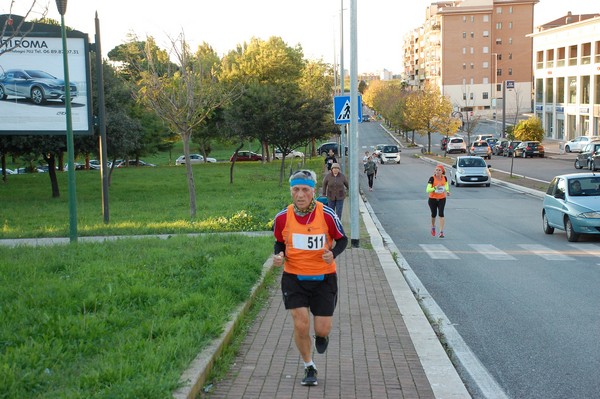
pixel 123 319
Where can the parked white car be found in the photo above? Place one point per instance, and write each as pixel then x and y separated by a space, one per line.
pixel 293 154
pixel 578 143
pixel 456 144
pixel 194 159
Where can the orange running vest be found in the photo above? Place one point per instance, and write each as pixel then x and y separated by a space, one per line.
pixel 305 244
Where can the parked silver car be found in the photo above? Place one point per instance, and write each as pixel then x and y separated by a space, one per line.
pixel 572 204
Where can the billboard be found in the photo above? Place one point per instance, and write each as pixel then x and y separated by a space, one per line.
pixel 32 87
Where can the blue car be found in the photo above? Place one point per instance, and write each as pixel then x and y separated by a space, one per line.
pixel 38 86
pixel 572 204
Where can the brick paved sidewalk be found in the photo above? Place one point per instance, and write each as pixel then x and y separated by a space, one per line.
pixel 370 354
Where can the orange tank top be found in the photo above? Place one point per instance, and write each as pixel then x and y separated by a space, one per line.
pixel 305 244
pixel 438 182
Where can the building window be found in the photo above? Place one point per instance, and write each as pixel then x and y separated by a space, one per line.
pixel 498 25
pixel 486 81
pixel 471 94
pixel 486 18
pixel 585 89
pixel 510 25
pixel 498 86
pixel 510 71
pixel 560 90
pixel 472 66
pixel 499 57
pixel 498 10
pixel 484 95
pixel 510 10
pixel 464 81
pixel 464 50
pixel 486 65
pixel 510 56
pixel 464 66
pixel 499 72
pixel 472 18
pixel 486 49
pixel 472 50
pixel 572 89
pixel 464 18
pixel 486 33
pixel 498 41
pixel 464 35
pixel 464 96
pixel 510 40
pixel 472 35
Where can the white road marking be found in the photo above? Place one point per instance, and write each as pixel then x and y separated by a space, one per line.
pixel 545 252
pixel 593 250
pixel 438 251
pixel 491 252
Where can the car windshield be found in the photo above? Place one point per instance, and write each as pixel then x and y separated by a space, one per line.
pixel 480 144
pixel 584 186
pixel 39 74
pixel 390 148
pixel 471 163
pixel 456 140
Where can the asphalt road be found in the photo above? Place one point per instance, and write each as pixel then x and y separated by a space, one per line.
pixel 524 302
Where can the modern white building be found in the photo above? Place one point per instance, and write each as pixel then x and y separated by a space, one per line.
pixel 566 67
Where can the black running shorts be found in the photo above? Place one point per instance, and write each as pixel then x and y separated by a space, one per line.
pixel 319 296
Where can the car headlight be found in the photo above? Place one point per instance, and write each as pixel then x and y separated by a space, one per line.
pixel 589 215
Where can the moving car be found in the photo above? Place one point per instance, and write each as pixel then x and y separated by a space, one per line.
pixel 481 148
pixel 584 158
pixel 469 170
pixel 324 148
pixel 244 156
pixel 572 204
pixel 578 143
pixel 456 144
pixel 529 149
pixel 194 159
pixel 292 154
pixel 480 137
pixel 390 153
pixel 492 141
pixel 38 86
pixel 366 118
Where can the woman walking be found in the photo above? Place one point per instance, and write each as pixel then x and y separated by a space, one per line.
pixel 371 171
pixel 438 190
pixel 335 185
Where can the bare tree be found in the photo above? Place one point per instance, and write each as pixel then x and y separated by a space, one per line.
pixel 183 98
pixel 13 26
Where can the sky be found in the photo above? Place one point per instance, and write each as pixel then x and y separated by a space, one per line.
pixel 314 24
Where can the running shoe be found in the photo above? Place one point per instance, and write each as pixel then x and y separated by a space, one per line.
pixel 321 343
pixel 433 231
pixel 441 234
pixel 310 376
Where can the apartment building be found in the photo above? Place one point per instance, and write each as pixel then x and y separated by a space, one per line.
pixel 567 76
pixel 469 48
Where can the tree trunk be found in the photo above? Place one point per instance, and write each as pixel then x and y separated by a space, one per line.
pixel 190 175
pixel 51 160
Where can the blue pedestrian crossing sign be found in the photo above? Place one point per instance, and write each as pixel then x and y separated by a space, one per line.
pixel 341 109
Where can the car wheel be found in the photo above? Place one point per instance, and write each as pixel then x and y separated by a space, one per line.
pixel 567 149
pixel 2 93
pixel 547 228
pixel 488 184
pixel 37 96
pixel 541 155
pixel 592 166
pixel 577 164
pixel 572 236
pixel 524 154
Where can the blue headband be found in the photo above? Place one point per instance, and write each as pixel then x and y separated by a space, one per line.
pixel 307 182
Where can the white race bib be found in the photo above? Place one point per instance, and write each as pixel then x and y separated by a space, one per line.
pixel 309 242
pixel 440 189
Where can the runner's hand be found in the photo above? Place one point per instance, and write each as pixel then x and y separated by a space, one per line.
pixel 278 259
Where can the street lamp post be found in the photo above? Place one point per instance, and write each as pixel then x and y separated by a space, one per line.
pixel 62 9
pixel 495 91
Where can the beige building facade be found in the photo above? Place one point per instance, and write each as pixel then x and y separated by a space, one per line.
pixel 567 76
pixel 469 49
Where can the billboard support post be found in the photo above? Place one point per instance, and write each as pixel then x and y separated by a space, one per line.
pixel 62 8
